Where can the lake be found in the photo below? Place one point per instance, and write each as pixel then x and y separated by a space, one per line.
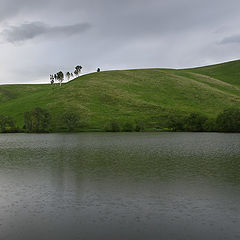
pixel 120 186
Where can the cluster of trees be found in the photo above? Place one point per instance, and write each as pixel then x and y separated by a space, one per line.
pixel 115 126
pixel 226 121
pixel 60 76
pixel 229 120
pixel 69 75
pixel 39 120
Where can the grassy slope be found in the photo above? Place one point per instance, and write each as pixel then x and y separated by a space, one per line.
pixel 130 95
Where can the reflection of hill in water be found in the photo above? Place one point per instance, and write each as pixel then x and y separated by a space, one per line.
pixel 169 156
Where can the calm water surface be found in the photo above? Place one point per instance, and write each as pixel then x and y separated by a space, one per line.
pixel 120 186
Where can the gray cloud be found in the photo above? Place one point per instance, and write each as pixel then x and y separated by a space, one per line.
pixel 11 8
pixel 32 30
pixel 231 39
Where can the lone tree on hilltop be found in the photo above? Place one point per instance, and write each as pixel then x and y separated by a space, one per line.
pixel 98 70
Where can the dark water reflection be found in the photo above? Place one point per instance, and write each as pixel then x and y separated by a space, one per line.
pixel 120 186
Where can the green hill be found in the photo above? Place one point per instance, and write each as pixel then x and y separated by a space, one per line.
pixel 150 95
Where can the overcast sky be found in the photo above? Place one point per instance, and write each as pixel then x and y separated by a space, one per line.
pixel 38 38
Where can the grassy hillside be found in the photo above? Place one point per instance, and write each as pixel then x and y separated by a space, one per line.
pixel 130 95
pixel 227 72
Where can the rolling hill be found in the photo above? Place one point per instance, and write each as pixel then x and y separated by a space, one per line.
pixel 130 95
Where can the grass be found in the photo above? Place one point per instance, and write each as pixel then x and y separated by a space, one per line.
pixel 130 95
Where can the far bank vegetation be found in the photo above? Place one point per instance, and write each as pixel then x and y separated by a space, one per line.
pixel 39 120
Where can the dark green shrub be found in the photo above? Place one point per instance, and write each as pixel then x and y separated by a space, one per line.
pixel 195 122
pixel 140 126
pixel 7 124
pixel 210 125
pixel 112 126
pixel 128 127
pixel 229 120
pixel 71 120
pixel 37 120
pixel 175 123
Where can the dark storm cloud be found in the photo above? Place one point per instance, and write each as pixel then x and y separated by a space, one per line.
pixel 11 8
pixel 32 30
pixel 129 17
pixel 231 39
